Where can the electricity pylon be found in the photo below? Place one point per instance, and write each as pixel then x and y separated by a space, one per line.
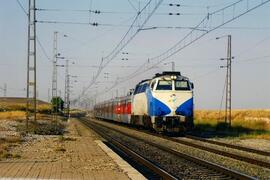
pixel 31 62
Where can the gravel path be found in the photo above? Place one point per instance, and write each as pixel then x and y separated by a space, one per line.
pixel 55 148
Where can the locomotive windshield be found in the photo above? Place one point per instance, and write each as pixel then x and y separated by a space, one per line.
pixel 181 85
pixel 164 85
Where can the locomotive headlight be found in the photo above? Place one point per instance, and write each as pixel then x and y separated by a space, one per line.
pixel 173 77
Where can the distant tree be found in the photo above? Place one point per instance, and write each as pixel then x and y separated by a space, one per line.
pixel 58 104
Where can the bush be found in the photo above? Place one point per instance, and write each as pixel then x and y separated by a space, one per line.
pixel 44 128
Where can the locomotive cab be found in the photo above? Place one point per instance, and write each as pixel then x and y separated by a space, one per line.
pixel 171 102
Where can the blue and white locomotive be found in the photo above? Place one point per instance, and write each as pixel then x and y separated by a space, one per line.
pixel 163 103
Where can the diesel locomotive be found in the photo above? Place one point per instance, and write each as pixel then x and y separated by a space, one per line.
pixel 163 103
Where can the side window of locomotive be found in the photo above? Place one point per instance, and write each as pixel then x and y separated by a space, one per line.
pixel 164 85
pixel 153 85
pixel 143 88
pixel 136 90
pixel 181 85
pixel 140 89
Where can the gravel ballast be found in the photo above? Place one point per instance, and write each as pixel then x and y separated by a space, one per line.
pixel 179 167
pixel 246 168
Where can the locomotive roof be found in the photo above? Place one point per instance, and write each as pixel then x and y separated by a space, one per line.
pixel 171 73
pixel 168 73
pixel 143 81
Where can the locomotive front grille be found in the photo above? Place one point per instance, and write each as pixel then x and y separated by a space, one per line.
pixel 172 122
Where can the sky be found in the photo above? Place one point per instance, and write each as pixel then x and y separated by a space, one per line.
pixel 85 45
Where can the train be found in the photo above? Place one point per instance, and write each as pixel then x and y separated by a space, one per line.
pixel 164 103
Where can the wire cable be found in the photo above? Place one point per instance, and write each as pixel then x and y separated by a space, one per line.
pixel 39 43
pixel 177 47
pixel 253 47
pixel 183 43
pixel 126 39
pixel 118 12
pixel 86 41
pixel 222 97
pixel 43 49
pixel 259 58
pixel 21 6
pixel 131 4
pixel 90 7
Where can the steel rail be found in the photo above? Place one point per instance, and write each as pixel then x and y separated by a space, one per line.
pixel 222 153
pixel 204 163
pixel 162 173
pixel 242 148
pixel 209 149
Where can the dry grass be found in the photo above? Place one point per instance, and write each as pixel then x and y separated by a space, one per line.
pixel 251 119
pixel 11 139
pixel 21 116
pixel 257 136
pixel 10 115
pixel 21 100
pixel 245 123
pixel 44 108
pixel 77 113
pixel 6 144
pixel 60 149
pixel 6 155
pixel 62 138
pixel 13 106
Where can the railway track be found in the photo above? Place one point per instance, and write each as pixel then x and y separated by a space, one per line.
pixel 222 152
pixel 213 170
pixel 232 146
pixel 214 150
pixel 130 153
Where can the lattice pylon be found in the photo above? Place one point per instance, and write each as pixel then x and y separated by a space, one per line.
pixel 31 94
